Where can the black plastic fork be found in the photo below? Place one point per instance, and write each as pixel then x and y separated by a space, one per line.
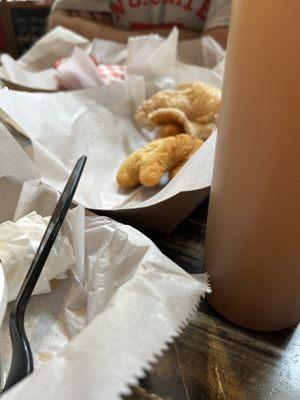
pixel 22 361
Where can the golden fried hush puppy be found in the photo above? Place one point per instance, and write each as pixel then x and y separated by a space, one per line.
pixel 199 102
pixel 147 165
pixel 173 171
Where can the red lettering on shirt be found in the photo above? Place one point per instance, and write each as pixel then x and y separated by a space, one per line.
pixel 134 3
pixel 118 8
pixel 188 5
pixel 203 10
pixel 155 2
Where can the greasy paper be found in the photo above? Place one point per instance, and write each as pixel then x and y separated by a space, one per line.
pixel 123 303
pixel 35 70
pixel 19 241
pixel 58 43
pixel 99 123
pixel 16 168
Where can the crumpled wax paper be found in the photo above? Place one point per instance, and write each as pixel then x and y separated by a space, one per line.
pixel 19 242
pixel 99 123
pixel 100 329
pixel 156 60
pixel 35 70
pixel 15 168
pixel 123 301
pixel 79 71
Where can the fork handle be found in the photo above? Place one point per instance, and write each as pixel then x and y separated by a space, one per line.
pixel 22 360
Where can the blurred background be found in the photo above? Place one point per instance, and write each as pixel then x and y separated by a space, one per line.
pixel 21 24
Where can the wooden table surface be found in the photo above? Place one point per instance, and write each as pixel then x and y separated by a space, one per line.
pixel 213 358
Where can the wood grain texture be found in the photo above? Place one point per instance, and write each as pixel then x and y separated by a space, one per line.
pixel 214 359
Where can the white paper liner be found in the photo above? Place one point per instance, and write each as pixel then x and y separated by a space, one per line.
pixel 124 301
pixel 19 242
pixel 99 123
pixel 122 305
pixel 35 69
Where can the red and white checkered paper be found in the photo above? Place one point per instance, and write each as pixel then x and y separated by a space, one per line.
pixel 111 73
pixel 107 73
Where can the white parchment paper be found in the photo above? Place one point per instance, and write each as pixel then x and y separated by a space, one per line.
pixel 124 301
pixel 99 123
pixel 35 69
pixel 100 329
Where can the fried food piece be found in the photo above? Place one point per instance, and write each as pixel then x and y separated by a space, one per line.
pixel 185 85
pixel 171 115
pixel 164 116
pixel 199 102
pixel 203 131
pixel 170 129
pixel 173 171
pixel 200 131
pixel 147 165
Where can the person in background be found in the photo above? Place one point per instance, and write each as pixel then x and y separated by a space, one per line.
pixel 117 20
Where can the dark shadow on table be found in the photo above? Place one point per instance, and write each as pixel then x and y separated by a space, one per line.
pixel 185 245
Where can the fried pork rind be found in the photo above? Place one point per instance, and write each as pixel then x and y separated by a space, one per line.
pixel 173 171
pixel 147 165
pixel 200 131
pixel 170 129
pixel 199 102
pixel 165 116
pixel 203 131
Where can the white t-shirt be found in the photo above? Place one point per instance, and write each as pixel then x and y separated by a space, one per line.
pixel 143 14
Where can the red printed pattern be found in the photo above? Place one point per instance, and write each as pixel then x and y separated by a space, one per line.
pixel 110 73
pixel 118 8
